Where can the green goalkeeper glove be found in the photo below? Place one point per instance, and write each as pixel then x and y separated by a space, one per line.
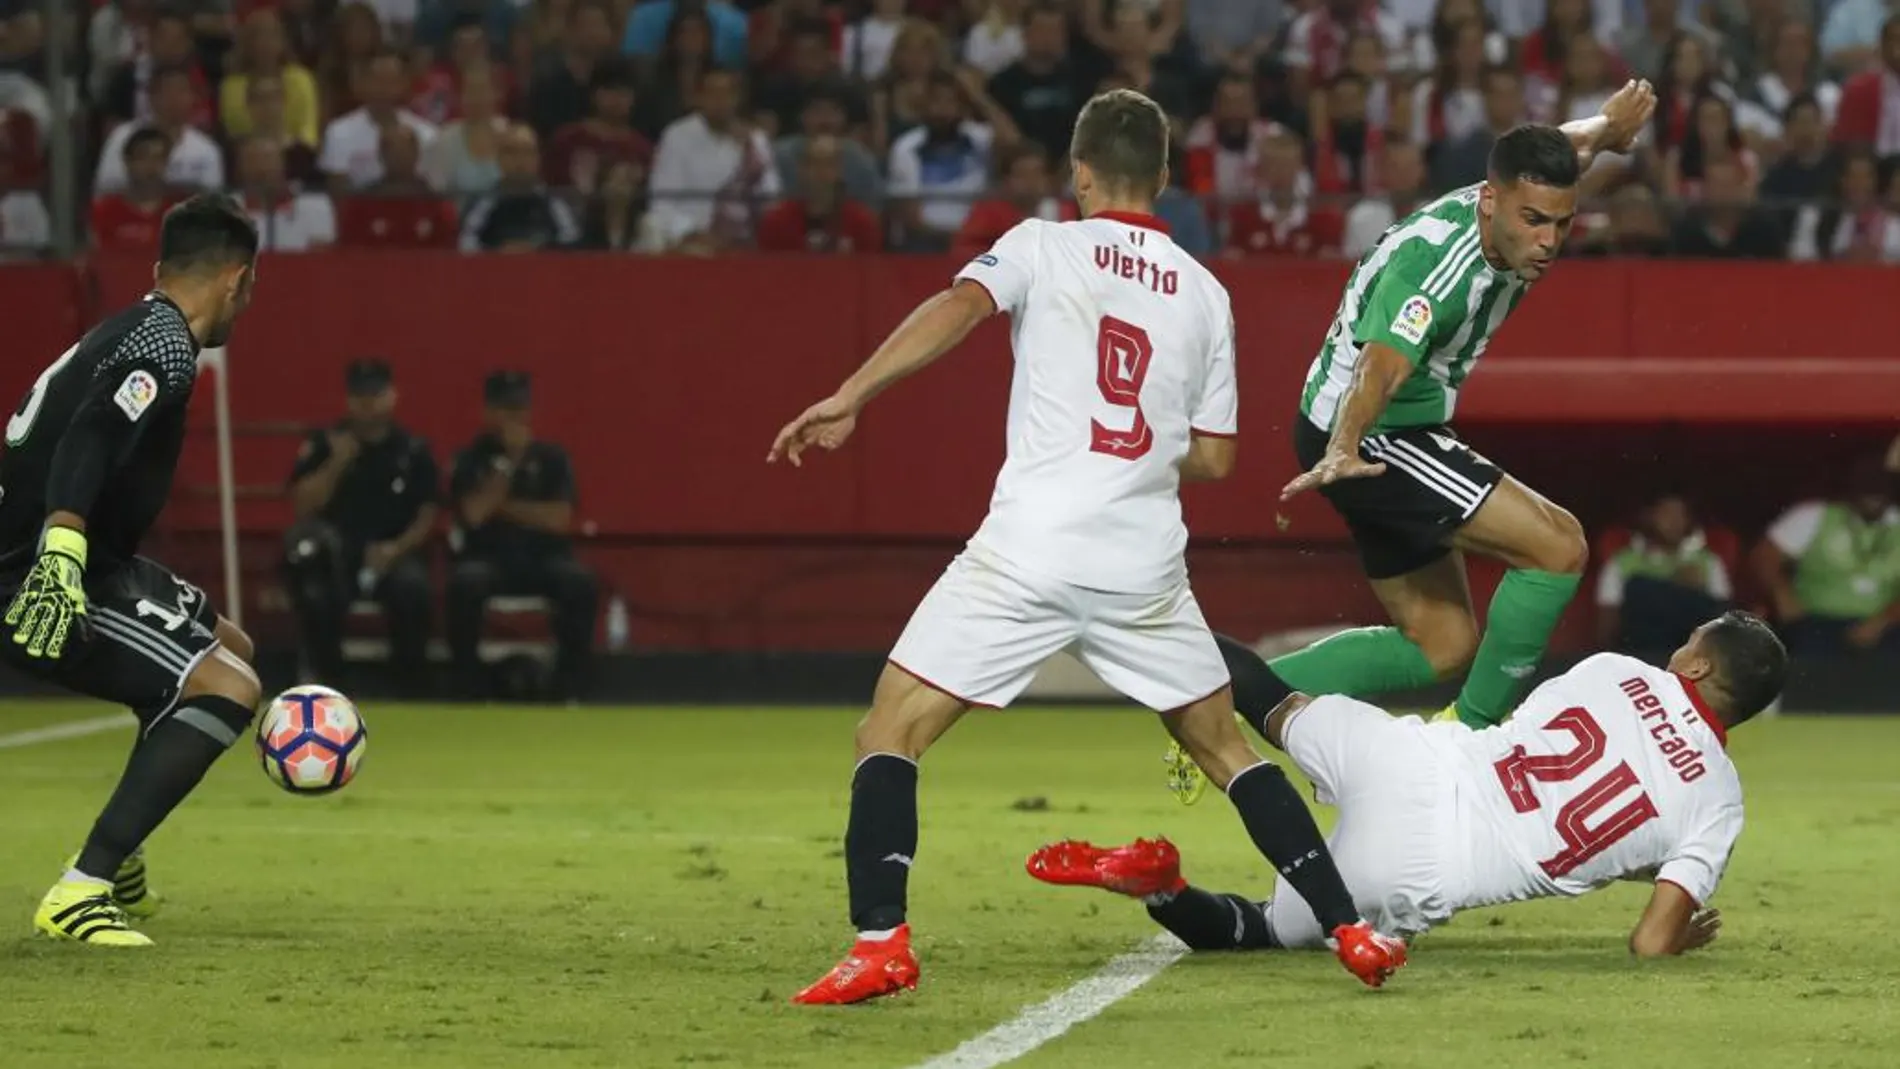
pixel 52 600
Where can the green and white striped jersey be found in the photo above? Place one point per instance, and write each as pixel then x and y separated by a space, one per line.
pixel 1426 290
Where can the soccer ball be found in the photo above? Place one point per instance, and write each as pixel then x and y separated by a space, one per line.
pixel 311 740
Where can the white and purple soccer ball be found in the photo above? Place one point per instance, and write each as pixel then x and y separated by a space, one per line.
pixel 311 740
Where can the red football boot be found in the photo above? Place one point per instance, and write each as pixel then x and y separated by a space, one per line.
pixel 1367 954
pixel 873 969
pixel 1143 867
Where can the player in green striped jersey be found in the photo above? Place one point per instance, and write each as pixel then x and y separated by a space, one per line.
pixel 1374 436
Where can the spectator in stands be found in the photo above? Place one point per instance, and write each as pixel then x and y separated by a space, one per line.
pixel 1042 91
pixel 1316 41
pixel 365 493
pixel 1402 170
pixel 168 46
pixel 1026 191
pixel 1132 53
pixel 287 220
pixel 1285 219
pixel 1450 104
pixel 264 105
pixel 351 143
pixel 1161 26
pixel 1795 72
pixel 582 150
pixel 1712 138
pixel 1854 37
pixel 1346 145
pixel 464 159
pixel 1184 214
pixel 996 40
pixel 1544 53
pixel 712 174
pixel 769 26
pixel 1748 31
pixel 650 24
pixel 194 163
pixel 1727 223
pixel 1589 80
pixel 677 79
pixel 1664 584
pixel 435 91
pixel 1366 59
pixel 513 499
pixel 938 169
pixel 825 116
pixel 562 90
pixel 1637 227
pixel 898 99
pixel 822 217
pixel 438 21
pixel 1833 568
pixel 811 69
pixel 128 220
pixel 1688 79
pixel 263 52
pixel 1433 27
pixel 26 228
pixel 519 214
pixel 1223 149
pixel 1650 47
pixel 1466 160
pixel 1870 101
pixel 868 42
pixel 1234 35
pixel 354 41
pixel 617 217
pixel 399 153
pixel 1806 170
pixel 1852 225
pixel 305 26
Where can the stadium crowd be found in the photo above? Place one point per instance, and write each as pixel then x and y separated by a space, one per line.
pixel 699 126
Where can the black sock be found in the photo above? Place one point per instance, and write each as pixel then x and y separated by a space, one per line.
pixel 1207 921
pixel 1257 690
pixel 1282 827
pixel 881 840
pixel 165 765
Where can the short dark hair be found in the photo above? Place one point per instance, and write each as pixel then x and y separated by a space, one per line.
pixel 612 73
pixel 168 72
pixel 206 231
pixel 1535 153
pixel 1502 70
pixel 1751 664
pixel 810 27
pixel 1123 136
pixel 1799 101
pixel 143 136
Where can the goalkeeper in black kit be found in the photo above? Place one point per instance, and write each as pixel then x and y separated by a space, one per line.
pixel 90 453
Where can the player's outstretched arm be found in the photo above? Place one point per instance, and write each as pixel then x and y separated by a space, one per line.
pixel 1382 370
pixel 1617 127
pixel 932 330
pixel 1673 923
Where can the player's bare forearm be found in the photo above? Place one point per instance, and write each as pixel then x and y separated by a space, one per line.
pixel 932 330
pixel 1588 137
pixel 1210 458
pixel 62 518
pixel 554 517
pixel 1664 927
pixel 1382 370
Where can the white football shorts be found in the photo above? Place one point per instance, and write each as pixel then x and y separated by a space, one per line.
pixel 986 627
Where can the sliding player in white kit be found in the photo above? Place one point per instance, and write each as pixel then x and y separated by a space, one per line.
pixel 1615 770
pixel 1124 386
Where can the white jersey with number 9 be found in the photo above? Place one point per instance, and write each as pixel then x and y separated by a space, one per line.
pixel 1124 350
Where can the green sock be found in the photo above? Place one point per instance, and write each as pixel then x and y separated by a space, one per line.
pixel 1524 612
pixel 1359 663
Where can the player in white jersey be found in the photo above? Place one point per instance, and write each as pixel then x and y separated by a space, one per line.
pixel 1615 770
pixel 1123 387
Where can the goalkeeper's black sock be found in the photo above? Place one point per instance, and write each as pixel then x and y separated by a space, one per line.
pixel 1282 828
pixel 1208 921
pixel 165 765
pixel 1257 689
pixel 881 840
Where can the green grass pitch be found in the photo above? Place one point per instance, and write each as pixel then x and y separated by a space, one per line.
pixel 531 888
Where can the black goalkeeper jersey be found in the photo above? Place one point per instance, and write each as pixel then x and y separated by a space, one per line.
pixel 99 433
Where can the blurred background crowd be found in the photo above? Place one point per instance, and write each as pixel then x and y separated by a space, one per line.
pixel 1304 127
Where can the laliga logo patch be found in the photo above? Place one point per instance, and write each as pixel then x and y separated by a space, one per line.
pixel 1414 320
pixel 136 394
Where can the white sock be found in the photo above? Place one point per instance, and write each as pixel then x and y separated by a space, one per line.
pixel 76 876
pixel 879 936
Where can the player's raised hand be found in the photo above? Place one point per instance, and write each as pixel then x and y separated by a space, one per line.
pixel 1703 927
pixel 1628 112
pixel 828 423
pixel 1333 467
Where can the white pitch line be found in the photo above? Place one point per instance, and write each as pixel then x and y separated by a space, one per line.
pixel 72 730
pixel 1051 1018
